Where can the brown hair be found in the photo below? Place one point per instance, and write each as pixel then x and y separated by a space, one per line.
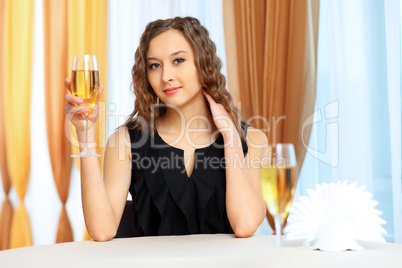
pixel 207 63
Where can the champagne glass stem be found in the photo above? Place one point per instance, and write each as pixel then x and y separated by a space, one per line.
pixel 85 150
pixel 278 230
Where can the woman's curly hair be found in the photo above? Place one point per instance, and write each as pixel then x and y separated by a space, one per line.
pixel 207 63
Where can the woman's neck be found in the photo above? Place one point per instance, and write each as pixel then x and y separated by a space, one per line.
pixel 195 115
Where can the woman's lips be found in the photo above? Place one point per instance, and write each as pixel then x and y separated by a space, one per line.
pixel 172 90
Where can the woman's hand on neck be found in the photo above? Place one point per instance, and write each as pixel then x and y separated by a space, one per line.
pixel 223 122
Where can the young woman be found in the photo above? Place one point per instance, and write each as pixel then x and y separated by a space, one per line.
pixel 184 155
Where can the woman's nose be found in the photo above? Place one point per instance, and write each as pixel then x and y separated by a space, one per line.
pixel 167 74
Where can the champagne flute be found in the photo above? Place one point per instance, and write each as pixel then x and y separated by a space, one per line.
pixel 278 177
pixel 85 85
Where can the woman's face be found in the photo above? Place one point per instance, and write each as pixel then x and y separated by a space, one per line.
pixel 171 69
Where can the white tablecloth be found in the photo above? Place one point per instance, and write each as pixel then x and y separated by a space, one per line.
pixel 205 251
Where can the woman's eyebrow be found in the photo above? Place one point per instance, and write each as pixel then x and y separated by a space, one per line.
pixel 173 54
pixel 178 52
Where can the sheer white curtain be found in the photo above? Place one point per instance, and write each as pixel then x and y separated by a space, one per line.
pixel 357 124
pixel 393 24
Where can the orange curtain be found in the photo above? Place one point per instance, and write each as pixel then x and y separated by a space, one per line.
pixel 56 70
pixel 17 30
pixel 87 33
pixel 271 49
pixel 6 212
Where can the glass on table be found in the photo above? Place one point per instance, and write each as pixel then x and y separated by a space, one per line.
pixel 278 178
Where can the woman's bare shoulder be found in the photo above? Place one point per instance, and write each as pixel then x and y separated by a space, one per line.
pixel 119 141
pixel 121 134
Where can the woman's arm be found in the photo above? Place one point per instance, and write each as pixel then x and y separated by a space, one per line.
pixel 244 204
pixel 103 196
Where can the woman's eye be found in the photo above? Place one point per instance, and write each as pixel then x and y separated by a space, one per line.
pixel 154 66
pixel 178 60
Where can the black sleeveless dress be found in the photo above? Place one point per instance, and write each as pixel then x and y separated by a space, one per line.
pixel 167 201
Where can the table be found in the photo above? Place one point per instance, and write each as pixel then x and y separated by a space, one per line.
pixel 219 250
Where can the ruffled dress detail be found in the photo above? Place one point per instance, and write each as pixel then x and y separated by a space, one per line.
pixel 167 201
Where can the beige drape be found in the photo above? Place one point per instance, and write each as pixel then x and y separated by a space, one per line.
pixel 55 13
pixel 271 50
pixel 6 212
pixel 17 30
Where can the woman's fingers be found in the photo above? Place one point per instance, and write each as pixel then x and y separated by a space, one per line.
pixel 74 111
pixel 71 113
pixel 208 97
pixel 216 108
pixel 73 99
pixel 92 115
pixel 220 115
pixel 94 112
pixel 71 110
pixel 69 98
pixel 67 84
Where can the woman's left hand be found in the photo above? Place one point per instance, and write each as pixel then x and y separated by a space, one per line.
pixel 222 119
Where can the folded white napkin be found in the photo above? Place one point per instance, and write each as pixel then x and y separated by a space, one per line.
pixel 333 216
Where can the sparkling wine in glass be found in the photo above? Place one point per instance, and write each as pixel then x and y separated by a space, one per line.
pixel 278 177
pixel 85 85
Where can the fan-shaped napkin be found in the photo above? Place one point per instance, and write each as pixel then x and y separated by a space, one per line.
pixel 334 216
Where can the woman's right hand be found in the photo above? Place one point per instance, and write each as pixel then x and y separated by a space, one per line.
pixel 75 112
